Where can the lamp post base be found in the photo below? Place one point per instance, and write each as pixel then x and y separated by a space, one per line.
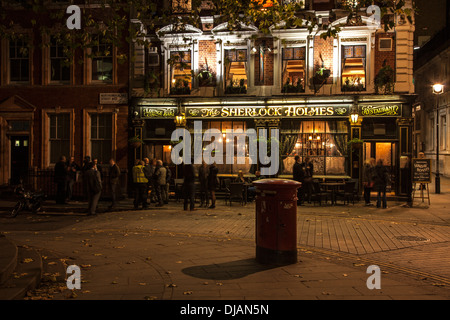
pixel 437 181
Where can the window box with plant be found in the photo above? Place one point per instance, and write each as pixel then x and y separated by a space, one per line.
pixel 236 87
pixel 181 87
pixel 291 88
pixel 352 84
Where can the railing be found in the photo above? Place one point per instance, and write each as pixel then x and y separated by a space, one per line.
pixel 44 180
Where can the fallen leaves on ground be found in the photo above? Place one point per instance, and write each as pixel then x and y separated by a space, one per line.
pixel 27 260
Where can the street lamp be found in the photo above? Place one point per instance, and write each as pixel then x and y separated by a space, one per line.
pixel 354 115
pixel 437 89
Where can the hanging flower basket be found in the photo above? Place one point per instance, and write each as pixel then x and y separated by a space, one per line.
pixel 135 142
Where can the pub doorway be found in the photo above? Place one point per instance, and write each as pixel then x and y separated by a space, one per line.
pixel 385 151
pixel 20 153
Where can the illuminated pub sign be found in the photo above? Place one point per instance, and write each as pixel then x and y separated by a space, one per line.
pixel 387 110
pixel 267 111
pixel 158 112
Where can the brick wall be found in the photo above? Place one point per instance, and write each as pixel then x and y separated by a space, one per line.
pixel 323 48
pixel 207 50
pixel 381 56
pixel 268 64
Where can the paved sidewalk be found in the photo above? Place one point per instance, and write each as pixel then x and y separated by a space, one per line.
pixel 167 253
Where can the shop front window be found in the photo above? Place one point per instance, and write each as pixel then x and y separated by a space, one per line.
pixel 325 143
pixel 181 76
pixel 293 70
pixel 353 68
pixel 236 71
pixel 225 167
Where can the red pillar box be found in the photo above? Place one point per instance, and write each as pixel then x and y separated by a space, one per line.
pixel 276 221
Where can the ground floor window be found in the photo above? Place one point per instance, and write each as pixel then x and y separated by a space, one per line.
pixel 59 137
pixel 222 126
pixel 101 137
pixel 324 142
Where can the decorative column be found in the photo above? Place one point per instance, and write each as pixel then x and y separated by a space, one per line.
pixel 405 128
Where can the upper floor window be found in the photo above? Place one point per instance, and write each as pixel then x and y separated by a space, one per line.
pixel 60 71
pixel 236 71
pixel 102 60
pixel 19 61
pixel 353 68
pixel 293 70
pixel 180 72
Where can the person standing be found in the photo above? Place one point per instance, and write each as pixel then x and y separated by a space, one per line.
pixel 84 168
pixel 140 185
pixel 308 169
pixel 367 179
pixel 188 187
pixel 72 171
pixel 381 180
pixel 148 172
pixel 166 187
pixel 98 167
pixel 212 183
pixel 94 187
pixel 114 174
pixel 60 180
pixel 160 182
pixel 298 175
pixel 203 179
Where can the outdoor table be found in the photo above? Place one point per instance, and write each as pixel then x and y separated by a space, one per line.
pixel 334 186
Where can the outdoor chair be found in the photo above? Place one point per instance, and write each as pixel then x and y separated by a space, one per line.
pixel 236 193
pixel 319 194
pixel 178 189
pixel 349 192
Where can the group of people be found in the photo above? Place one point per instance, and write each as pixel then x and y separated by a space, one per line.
pixel 90 173
pixel 208 181
pixel 151 176
pixel 303 172
pixel 375 176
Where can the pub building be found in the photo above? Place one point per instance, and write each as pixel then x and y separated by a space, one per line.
pixel 320 93
pixel 318 127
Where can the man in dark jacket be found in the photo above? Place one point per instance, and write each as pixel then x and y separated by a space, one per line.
pixel 189 186
pixel 298 175
pixel 212 183
pixel 94 187
pixel 381 180
pixel 203 179
pixel 60 179
pixel 72 169
pixel 308 170
pixel 114 174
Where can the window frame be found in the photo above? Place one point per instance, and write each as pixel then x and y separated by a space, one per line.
pixel 248 62
pixel 8 57
pixel 49 58
pixel 45 162
pixel 97 138
pixel 305 67
pixel 87 148
pixel 365 61
pixel 171 70
pixel 89 63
